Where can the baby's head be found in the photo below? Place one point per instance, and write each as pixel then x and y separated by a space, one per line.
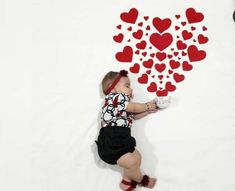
pixel 117 82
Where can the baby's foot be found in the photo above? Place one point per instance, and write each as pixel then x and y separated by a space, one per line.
pixel 151 183
pixel 148 182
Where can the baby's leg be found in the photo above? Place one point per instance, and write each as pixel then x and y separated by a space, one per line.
pixel 131 163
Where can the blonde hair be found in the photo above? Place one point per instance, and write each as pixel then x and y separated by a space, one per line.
pixel 108 80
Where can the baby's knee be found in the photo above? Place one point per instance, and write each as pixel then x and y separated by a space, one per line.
pixel 133 161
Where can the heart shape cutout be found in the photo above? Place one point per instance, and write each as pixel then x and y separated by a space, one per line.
pixel 161 47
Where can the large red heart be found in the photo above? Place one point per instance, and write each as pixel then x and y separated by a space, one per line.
pixel 162 57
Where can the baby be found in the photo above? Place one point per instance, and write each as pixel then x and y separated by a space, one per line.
pixel 115 144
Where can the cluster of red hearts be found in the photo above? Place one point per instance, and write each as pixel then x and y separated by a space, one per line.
pixel 161 50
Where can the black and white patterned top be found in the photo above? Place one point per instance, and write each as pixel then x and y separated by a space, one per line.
pixel 113 111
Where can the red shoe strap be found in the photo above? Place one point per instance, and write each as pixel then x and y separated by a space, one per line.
pixel 132 184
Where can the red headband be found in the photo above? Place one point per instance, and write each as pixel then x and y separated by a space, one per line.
pixel 122 73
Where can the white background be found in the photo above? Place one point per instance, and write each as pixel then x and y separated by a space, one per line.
pixel 53 56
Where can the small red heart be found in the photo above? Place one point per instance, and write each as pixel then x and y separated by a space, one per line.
pixel 143 79
pixel 187 35
pixel 187 66
pixel 141 45
pixel 135 69
pixel 181 45
pixel 174 64
pixel 184 53
pixel 137 52
pixel 194 54
pixel 161 55
pixel 150 47
pixel 170 87
pixel 193 16
pixel 161 24
pixel 144 53
pixel 202 39
pixel 146 18
pixel 161 93
pixel 172 49
pixel 183 23
pixel 152 87
pixel 129 28
pixel 177 28
pixel 152 55
pixel 148 63
pixel 148 72
pixel 177 16
pixel 160 77
pixel 204 28
pixel 193 28
pixel 178 77
pixel 176 53
pixel 170 71
pixel 153 76
pixel 148 27
pixel 140 24
pixel 118 38
pixel 125 55
pixel 169 56
pixel 130 17
pixel 160 67
pixel 138 34
pixel 119 26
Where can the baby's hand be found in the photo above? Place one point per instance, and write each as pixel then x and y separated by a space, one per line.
pixel 153 111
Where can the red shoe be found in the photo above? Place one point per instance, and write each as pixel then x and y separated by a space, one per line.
pixel 132 185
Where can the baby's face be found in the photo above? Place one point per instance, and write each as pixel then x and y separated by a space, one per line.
pixel 124 86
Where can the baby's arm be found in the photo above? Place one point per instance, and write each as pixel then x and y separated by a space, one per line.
pixel 140 107
pixel 141 115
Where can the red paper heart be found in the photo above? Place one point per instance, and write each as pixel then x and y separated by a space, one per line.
pixel 186 66
pixel 202 39
pixel 143 79
pixel 181 45
pixel 160 67
pixel 161 55
pixel 161 42
pixel 178 77
pixel 161 24
pixel 135 68
pixel 187 35
pixel 125 55
pixel 131 16
pixel 193 16
pixel 170 87
pixel 148 63
pixel 174 64
pixel 152 87
pixel 194 54
pixel 141 45
pixel 118 38
pixel 138 34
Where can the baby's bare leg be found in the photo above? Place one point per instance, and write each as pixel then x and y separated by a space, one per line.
pixel 131 164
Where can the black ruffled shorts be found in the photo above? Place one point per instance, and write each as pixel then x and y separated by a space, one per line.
pixel 113 142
